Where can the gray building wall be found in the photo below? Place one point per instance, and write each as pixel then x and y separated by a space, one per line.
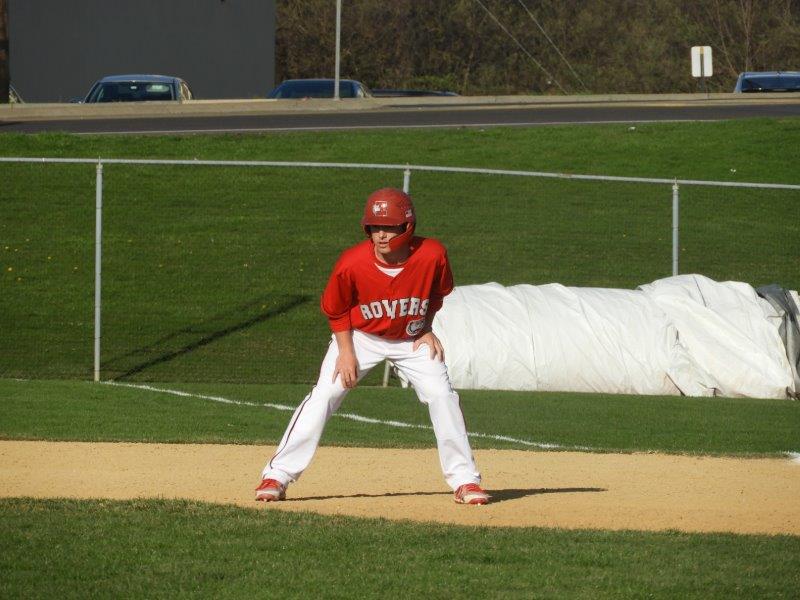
pixel 222 48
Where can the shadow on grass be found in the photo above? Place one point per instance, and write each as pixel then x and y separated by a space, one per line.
pixel 190 338
pixel 496 495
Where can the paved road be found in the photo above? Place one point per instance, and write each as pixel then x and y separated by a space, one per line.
pixel 417 117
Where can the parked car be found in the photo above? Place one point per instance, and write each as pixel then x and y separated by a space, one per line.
pixel 138 88
pixel 768 81
pixel 319 88
pixel 13 96
pixel 391 93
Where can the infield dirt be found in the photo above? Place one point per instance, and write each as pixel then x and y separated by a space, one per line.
pixel 542 489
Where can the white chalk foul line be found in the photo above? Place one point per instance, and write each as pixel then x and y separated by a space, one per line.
pixel 793 456
pixel 349 416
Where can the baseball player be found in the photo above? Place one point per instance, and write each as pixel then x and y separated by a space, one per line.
pixel 380 301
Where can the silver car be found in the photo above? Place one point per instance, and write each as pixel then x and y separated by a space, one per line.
pixel 13 96
pixel 139 88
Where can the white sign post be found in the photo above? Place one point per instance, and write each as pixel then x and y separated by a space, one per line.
pixel 702 64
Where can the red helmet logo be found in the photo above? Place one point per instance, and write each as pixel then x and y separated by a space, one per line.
pixel 380 208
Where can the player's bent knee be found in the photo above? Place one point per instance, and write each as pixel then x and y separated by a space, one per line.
pixel 328 392
pixel 440 395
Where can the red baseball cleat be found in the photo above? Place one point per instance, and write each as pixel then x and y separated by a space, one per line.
pixel 270 490
pixel 470 493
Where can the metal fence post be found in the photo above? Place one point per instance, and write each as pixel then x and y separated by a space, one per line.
pixel 388 365
pixel 676 201
pixel 98 255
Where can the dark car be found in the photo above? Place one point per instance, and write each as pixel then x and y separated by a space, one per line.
pixel 319 88
pixel 139 88
pixel 768 81
pixel 392 93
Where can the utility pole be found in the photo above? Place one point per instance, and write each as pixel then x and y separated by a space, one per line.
pixel 338 43
pixel 5 77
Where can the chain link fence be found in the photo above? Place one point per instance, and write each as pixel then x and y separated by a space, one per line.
pixel 212 271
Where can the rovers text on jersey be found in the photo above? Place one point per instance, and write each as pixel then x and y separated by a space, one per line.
pixel 360 296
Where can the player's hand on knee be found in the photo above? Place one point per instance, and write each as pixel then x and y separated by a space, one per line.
pixel 347 369
pixel 433 343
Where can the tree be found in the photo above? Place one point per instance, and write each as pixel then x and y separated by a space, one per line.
pixel 4 72
pixel 748 35
pixel 476 46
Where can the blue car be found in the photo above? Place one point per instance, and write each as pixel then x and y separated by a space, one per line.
pixel 138 88
pixel 768 81
pixel 319 88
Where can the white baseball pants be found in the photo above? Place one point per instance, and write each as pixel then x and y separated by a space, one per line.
pixel 431 383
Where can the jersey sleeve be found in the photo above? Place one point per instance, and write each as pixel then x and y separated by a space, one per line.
pixel 338 297
pixel 442 284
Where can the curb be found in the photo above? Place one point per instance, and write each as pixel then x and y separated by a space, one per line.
pixel 200 108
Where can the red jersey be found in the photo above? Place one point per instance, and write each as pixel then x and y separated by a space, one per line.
pixel 361 296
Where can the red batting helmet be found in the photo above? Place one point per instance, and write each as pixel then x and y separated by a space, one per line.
pixel 390 206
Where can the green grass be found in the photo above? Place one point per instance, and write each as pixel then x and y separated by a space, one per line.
pixel 183 549
pixel 63 410
pixel 214 274
pixel 160 549
pixel 737 150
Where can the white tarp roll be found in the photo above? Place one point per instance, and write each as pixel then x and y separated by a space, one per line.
pixel 681 335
